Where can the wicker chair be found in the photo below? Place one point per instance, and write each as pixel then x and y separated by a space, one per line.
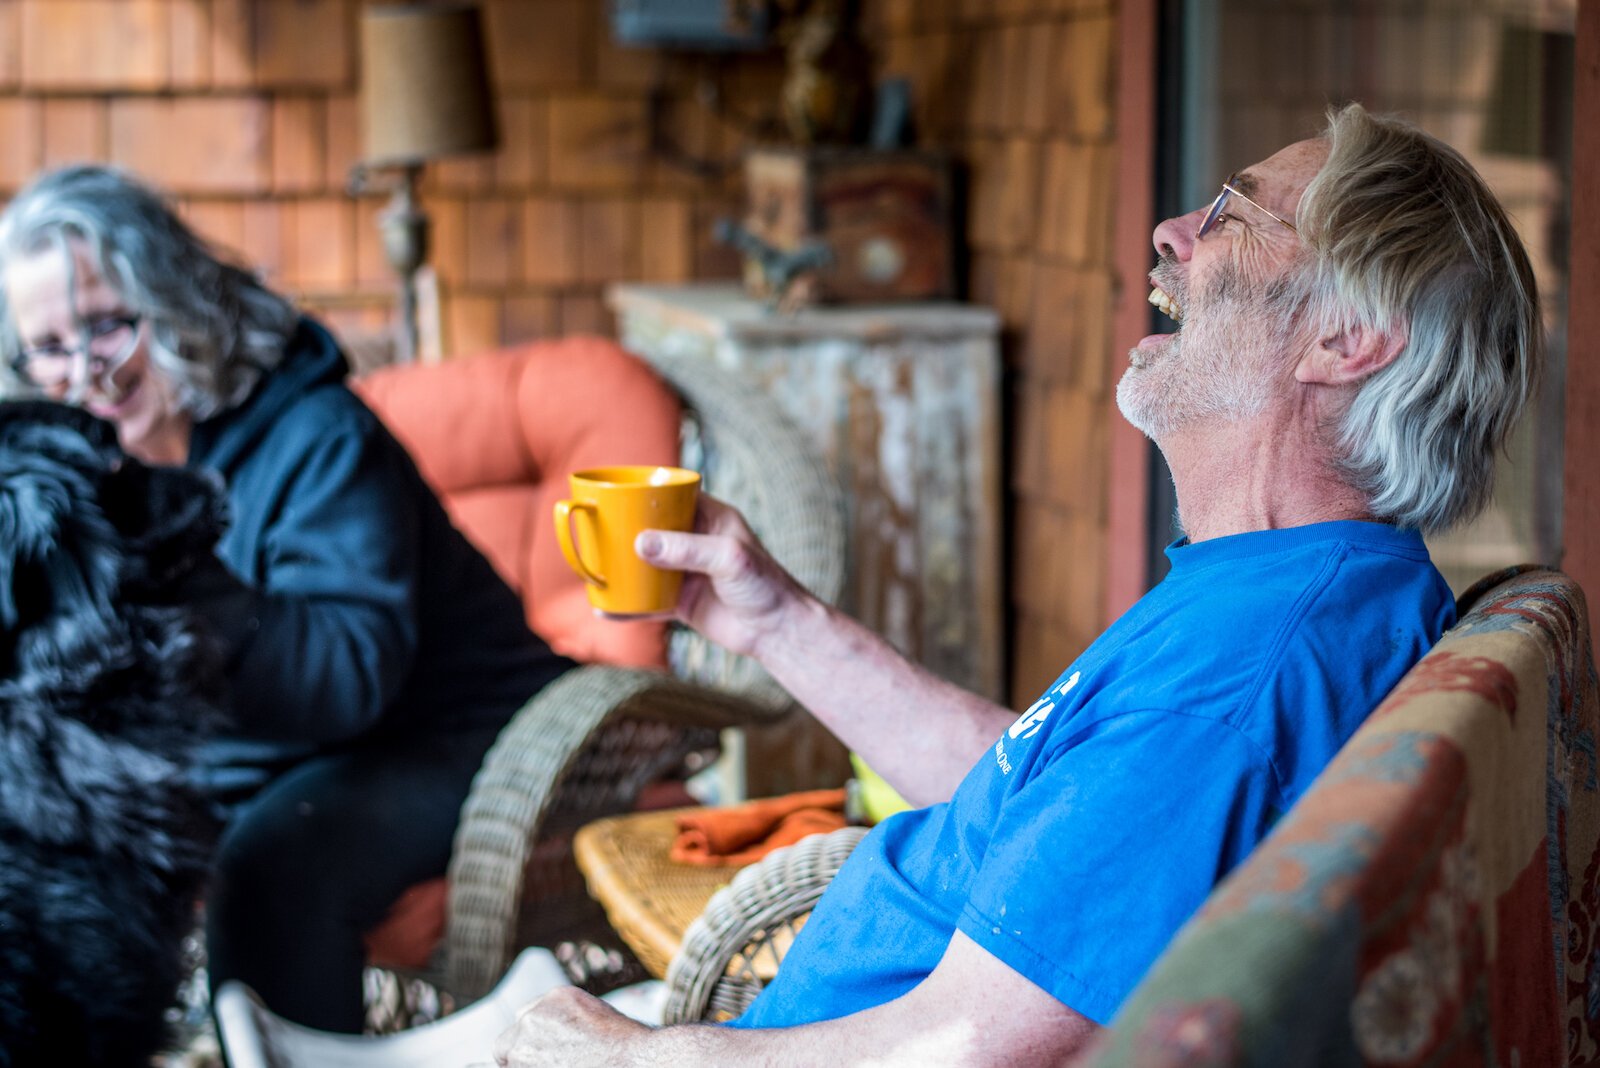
pixel 1434 896
pixel 586 746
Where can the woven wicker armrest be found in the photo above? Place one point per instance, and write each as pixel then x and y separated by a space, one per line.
pixel 728 952
pixel 536 767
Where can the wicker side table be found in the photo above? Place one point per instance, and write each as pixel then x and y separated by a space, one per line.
pixel 717 935
pixel 649 899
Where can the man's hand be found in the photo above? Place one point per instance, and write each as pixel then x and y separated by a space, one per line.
pixel 568 1027
pixel 918 731
pixel 733 592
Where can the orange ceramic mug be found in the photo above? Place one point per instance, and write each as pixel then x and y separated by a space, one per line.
pixel 596 527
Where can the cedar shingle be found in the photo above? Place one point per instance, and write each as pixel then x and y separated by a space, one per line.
pixel 94 44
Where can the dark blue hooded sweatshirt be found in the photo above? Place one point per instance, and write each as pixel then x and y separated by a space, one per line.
pixel 363 612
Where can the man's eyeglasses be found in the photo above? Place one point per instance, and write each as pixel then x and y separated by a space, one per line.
pixel 1218 205
pixel 108 344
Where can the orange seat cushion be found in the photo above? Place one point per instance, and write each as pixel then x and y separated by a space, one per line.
pixel 406 938
pixel 496 435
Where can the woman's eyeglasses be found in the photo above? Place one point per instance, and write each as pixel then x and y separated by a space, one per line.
pixel 107 345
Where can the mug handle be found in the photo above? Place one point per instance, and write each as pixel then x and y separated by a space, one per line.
pixel 568 540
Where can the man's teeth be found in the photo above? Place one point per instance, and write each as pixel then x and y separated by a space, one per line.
pixel 1169 307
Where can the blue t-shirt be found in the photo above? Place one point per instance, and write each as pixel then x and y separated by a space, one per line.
pixel 1094 827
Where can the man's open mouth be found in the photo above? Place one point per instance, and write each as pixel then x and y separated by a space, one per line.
pixel 1169 307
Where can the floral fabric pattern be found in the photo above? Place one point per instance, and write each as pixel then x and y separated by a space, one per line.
pixel 1434 899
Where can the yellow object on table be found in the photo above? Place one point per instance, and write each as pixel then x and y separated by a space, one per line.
pixel 879 800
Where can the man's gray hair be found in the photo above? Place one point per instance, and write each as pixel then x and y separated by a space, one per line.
pixel 214 329
pixel 1407 236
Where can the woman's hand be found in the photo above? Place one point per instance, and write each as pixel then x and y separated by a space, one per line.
pixel 733 592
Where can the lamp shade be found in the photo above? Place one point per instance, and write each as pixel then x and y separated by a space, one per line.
pixel 424 84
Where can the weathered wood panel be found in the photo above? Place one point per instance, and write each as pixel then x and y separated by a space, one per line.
pixel 903 403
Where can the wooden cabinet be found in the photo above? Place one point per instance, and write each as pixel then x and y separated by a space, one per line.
pixel 903 401
pixel 885 218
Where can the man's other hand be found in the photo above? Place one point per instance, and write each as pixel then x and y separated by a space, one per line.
pixel 570 1028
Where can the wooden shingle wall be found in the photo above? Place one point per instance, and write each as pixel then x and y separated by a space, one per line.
pixel 246 111
pixel 613 165
pixel 1023 91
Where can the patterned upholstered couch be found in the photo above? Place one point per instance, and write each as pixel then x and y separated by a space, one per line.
pixel 1434 899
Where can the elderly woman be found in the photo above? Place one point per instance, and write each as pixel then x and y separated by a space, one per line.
pixel 373 653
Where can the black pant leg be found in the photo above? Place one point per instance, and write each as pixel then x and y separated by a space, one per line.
pixel 317 858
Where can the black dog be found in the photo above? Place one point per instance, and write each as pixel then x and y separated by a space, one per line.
pixel 106 689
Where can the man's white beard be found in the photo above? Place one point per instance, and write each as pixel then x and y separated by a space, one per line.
pixel 1218 366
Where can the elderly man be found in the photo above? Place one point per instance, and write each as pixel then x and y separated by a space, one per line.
pixel 1358 331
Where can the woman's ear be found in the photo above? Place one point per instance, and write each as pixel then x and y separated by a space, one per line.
pixel 1351 355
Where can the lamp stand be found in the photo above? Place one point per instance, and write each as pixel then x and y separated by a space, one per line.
pixel 404 226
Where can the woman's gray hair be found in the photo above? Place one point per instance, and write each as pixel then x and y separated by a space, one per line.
pixel 214 329
pixel 1407 236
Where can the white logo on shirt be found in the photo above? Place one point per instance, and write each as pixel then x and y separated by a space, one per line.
pixel 1028 724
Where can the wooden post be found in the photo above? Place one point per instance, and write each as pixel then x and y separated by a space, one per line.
pixel 1129 484
pixel 1581 524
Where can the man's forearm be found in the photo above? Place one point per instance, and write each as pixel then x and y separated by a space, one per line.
pixel 900 1034
pixel 851 1041
pixel 973 1011
pixel 918 731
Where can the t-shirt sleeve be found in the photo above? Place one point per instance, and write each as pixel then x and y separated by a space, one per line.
pixel 1109 847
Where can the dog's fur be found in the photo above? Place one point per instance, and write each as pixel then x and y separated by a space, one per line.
pixel 106 689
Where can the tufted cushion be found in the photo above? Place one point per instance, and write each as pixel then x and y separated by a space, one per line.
pixel 496 436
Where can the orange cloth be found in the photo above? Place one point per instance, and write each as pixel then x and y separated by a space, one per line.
pixel 407 936
pixel 742 834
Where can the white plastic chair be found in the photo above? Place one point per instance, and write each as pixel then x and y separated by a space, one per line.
pixel 255 1037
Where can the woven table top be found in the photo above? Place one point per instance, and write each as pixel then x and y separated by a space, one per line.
pixel 648 898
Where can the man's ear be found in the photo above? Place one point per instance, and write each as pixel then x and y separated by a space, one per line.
pixel 1351 354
